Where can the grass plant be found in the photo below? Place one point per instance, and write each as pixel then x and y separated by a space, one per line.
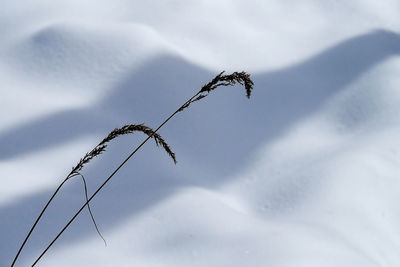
pixel 221 79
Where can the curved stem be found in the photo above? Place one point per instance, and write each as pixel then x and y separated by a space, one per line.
pixel 89 208
pixel 38 219
pixel 242 78
pixel 70 175
pixel 111 175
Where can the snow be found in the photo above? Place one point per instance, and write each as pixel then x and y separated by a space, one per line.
pixel 305 173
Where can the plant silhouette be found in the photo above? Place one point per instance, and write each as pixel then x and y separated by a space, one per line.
pixel 218 81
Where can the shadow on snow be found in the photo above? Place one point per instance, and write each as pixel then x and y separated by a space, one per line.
pixel 215 137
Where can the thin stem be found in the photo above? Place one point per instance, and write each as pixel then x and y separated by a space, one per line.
pixel 89 208
pixel 70 175
pixel 242 78
pixel 97 150
pixel 38 219
pixel 111 175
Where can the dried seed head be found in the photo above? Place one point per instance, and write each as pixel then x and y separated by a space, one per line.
pixel 126 129
pixel 242 78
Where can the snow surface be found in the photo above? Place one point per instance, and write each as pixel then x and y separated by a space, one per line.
pixel 305 173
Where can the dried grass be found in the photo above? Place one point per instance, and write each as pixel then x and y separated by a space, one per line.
pixel 241 78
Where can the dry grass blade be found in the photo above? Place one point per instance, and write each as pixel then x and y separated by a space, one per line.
pixel 89 208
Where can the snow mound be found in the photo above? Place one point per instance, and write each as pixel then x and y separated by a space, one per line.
pixel 305 173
